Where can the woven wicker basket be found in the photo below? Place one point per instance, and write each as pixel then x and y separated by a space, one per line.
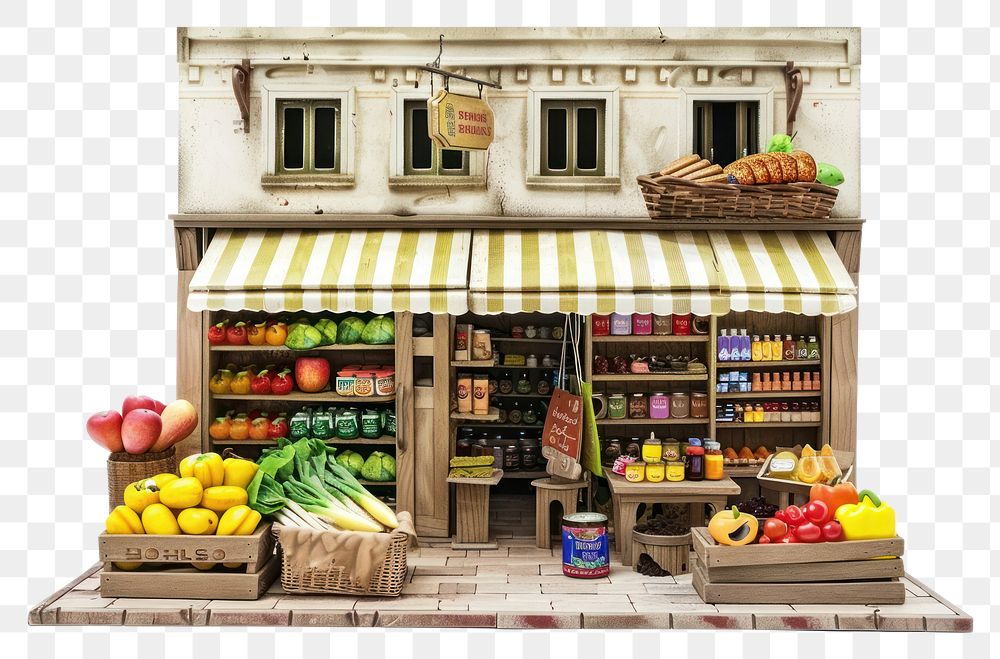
pixel 387 579
pixel 125 469
pixel 668 197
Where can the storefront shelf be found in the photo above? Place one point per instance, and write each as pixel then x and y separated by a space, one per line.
pixel 742 471
pixel 351 346
pixel 791 424
pixel 515 426
pixel 777 364
pixel 361 441
pixel 510 339
pixel 653 338
pixel 771 394
pixel 472 363
pixel 651 422
pixel 545 396
pixel 489 364
pixel 302 397
pixel 493 415
pixel 649 377
pixel 525 474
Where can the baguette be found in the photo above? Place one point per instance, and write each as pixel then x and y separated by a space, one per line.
pixel 703 173
pixel 741 171
pixel 806 166
pixel 760 173
pixel 774 171
pixel 789 168
pixel 690 169
pixel 680 164
pixel 715 178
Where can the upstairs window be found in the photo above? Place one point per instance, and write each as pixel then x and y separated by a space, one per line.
pixel 725 131
pixel 421 155
pixel 572 137
pixel 308 136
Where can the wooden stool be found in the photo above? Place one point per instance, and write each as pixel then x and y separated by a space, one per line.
pixel 472 511
pixel 548 490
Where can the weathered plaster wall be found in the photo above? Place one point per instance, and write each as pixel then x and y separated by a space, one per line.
pixel 221 167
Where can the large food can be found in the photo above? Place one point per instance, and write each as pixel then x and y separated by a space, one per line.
pixel 585 545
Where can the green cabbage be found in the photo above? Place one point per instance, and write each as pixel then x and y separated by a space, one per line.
pixel 379 467
pixel 349 330
pixel 780 142
pixel 379 330
pixel 351 461
pixel 303 337
pixel 328 328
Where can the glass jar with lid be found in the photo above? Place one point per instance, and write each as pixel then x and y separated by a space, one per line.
pixel 714 465
pixel 652 449
pixel 638 406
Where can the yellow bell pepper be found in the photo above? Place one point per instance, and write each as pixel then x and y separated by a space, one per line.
pixel 140 494
pixel 206 467
pixel 223 497
pixel 867 520
pixel 182 493
pixel 238 520
pixel 124 521
pixel 198 521
pixel 239 472
pixel 158 520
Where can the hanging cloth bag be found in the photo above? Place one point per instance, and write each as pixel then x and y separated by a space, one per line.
pixel 563 424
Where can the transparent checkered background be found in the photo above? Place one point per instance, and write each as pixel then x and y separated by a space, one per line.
pixel 88 153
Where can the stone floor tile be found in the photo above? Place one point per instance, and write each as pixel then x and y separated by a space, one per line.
pixel 755 608
pixel 509 605
pixel 144 603
pixel 88 616
pixel 856 621
pixel 249 618
pixel 409 603
pixel 576 604
pixel 551 568
pixel 464 578
pixel 449 570
pixel 654 603
pixel 527 568
pixel 668 589
pixel 696 620
pixel 914 589
pixel 265 602
pixel 952 623
pixel 324 618
pixel 576 586
pixel 551 578
pixel 420 588
pixel 316 602
pixel 796 621
pixel 90 583
pixel 644 621
pixel 914 605
pixel 420 561
pixel 159 617
pixel 539 620
pixel 448 552
pixel 531 551
pixel 508 588
pixel 84 599
pixel 438 619
pixel 899 623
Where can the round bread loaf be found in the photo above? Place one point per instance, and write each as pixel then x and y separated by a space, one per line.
pixel 740 169
pixel 789 169
pixel 806 166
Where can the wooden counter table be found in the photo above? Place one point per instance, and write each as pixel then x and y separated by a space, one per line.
pixel 626 498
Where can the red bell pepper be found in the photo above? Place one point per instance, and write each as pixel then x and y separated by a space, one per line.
pixel 817 512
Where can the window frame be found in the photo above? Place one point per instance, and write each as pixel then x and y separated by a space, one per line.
pixel 474 177
pixel 611 144
pixel 309 107
pixel 274 93
pixel 572 108
pixel 436 168
pixel 763 96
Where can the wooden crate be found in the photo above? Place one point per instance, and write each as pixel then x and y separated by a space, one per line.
pixel 844 458
pixel 671 552
pixel 167 571
pixel 851 572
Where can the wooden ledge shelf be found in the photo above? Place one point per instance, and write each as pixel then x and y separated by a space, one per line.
pixel 302 397
pixel 651 377
pixel 652 422
pixel 653 338
pixel 493 415
pixel 719 425
pixel 770 394
pixel 345 346
pixel 769 364
pixel 385 440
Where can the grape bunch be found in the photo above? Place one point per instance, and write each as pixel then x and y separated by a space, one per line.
pixel 757 507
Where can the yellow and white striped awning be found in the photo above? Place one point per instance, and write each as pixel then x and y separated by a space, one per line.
pixel 328 270
pixel 782 272
pixel 593 272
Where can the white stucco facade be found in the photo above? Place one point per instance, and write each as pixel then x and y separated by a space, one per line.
pixel 652 75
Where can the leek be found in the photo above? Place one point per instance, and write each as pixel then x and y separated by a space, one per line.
pixel 374 507
pixel 327 507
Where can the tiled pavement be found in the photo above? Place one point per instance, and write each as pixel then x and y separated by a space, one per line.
pixel 514 586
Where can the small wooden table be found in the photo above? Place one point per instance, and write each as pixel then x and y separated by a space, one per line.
pixel 472 511
pixel 626 498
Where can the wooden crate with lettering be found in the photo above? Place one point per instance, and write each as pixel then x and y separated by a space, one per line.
pixel 243 566
pixel 851 572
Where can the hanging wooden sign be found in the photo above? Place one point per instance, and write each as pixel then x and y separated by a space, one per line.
pixel 460 122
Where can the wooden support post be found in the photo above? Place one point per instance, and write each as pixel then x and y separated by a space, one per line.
pixel 404 411
pixel 432 440
pixel 191 340
pixel 842 344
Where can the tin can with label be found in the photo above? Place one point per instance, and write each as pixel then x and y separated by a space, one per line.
pixel 642 323
pixel 621 324
pixel 389 425
pixel 600 325
pixel 298 426
pixel 371 424
pixel 585 545
pixel 682 324
pixel 663 325
pixel 347 424
pixel 322 425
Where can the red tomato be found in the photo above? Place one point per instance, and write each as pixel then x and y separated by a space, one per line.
pixel 278 428
pixel 832 531
pixel 217 333
pixel 817 512
pixel 237 334
pixel 763 540
pixel 774 529
pixel 808 532
pixel 261 384
pixel 794 516
pixel 282 383
pixel 789 539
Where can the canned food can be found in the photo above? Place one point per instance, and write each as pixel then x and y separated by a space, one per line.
pixel 585 545
pixel 322 425
pixel 298 426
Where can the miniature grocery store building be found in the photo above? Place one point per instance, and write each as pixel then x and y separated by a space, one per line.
pixel 308 186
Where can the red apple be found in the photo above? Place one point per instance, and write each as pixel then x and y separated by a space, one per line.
pixel 179 420
pixel 137 403
pixel 140 430
pixel 105 428
pixel 158 407
pixel 312 374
